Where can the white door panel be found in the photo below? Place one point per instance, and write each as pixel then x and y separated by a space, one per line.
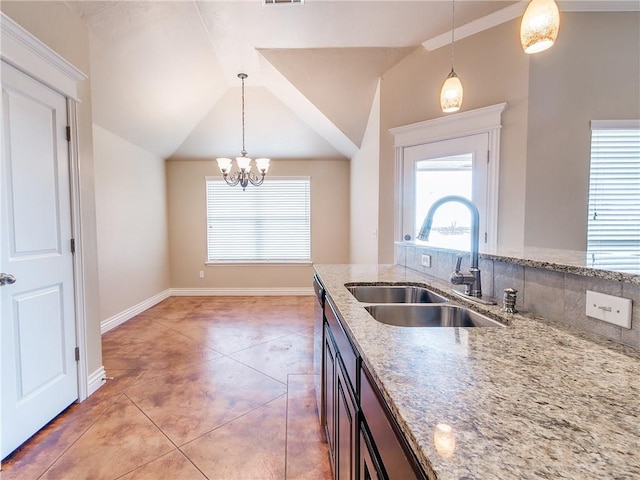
pixel 37 316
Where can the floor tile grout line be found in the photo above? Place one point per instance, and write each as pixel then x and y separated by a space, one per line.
pixel 256 370
pixel 285 334
pixel 286 432
pixel 257 344
pixel 230 421
pixel 151 420
pixel 116 399
pixel 179 333
pixel 140 377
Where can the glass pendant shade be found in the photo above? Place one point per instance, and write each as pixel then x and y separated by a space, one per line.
pixel 451 94
pixel 262 164
pixel 243 162
pixel 224 164
pixel 539 27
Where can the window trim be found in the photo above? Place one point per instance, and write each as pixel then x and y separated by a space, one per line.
pixel 266 263
pixel 482 120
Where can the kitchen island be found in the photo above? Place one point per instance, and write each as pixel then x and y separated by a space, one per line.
pixel 532 400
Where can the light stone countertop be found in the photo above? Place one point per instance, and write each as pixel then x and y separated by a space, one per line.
pixel 529 401
pixel 622 267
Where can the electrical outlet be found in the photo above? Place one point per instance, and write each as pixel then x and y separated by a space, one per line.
pixel 426 261
pixel 608 308
pixel 201 274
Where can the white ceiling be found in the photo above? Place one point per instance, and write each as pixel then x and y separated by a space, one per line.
pixel 164 74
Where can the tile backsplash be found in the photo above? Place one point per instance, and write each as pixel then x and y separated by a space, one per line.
pixel 544 292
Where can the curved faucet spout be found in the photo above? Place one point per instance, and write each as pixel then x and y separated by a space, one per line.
pixel 473 284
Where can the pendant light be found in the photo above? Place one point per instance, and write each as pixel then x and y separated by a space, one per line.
pixel 243 176
pixel 539 26
pixel 451 93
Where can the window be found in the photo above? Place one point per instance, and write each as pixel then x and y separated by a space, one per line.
pixel 269 223
pixel 613 224
pixel 457 154
pixel 435 170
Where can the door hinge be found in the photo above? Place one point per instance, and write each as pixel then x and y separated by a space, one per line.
pixel 77 353
pixel 73 245
pixel 485 237
pixel 68 134
pixel 488 155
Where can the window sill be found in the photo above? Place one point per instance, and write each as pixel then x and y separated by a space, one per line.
pixel 275 263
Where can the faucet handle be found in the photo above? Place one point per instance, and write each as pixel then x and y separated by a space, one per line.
pixel 458 263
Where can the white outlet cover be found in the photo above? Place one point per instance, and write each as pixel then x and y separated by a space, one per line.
pixel 615 310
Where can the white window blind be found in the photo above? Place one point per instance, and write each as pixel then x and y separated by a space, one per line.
pixel 269 223
pixel 614 188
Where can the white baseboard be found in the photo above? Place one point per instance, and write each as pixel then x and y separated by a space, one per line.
pixel 120 318
pixel 96 380
pixel 241 292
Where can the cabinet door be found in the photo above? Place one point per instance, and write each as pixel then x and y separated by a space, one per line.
pixel 347 425
pixel 329 392
pixel 370 468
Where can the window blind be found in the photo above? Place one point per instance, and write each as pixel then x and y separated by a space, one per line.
pixel 614 188
pixel 269 223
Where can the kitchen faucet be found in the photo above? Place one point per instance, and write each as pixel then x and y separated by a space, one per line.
pixel 471 279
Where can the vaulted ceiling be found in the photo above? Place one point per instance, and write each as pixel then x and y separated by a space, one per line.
pixel 164 73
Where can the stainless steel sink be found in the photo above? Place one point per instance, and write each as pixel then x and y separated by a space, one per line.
pixel 402 315
pixel 394 294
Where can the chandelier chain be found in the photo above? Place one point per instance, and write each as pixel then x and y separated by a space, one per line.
pixel 244 151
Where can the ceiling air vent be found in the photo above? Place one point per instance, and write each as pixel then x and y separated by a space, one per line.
pixel 282 2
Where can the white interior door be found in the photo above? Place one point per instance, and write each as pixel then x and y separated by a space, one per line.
pixel 38 330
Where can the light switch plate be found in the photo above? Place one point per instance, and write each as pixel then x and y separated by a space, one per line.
pixel 616 310
pixel 426 261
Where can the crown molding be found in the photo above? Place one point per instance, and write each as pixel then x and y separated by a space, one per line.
pixel 27 53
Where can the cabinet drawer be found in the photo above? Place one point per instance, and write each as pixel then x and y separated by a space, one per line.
pixel 343 344
pixel 394 458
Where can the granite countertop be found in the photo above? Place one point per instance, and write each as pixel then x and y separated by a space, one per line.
pixel 621 266
pixel 529 401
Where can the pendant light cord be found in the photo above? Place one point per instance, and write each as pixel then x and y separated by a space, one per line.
pixel 453 29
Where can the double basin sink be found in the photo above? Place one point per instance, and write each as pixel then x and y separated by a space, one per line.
pixel 416 306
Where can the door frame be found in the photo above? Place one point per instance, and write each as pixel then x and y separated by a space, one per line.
pixel 28 54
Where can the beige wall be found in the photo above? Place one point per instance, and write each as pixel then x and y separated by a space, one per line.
pixel 187 226
pixel 493 69
pixel 363 191
pixel 131 208
pixel 592 73
pixel 58 26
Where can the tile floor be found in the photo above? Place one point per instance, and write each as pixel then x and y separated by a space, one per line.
pixel 203 388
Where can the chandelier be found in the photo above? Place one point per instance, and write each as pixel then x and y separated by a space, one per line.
pixel 243 176
pixel 451 93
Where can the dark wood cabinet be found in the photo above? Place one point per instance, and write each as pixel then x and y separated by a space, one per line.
pixel 346 428
pixel 393 452
pixel 329 392
pixel 370 468
pixel 364 441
